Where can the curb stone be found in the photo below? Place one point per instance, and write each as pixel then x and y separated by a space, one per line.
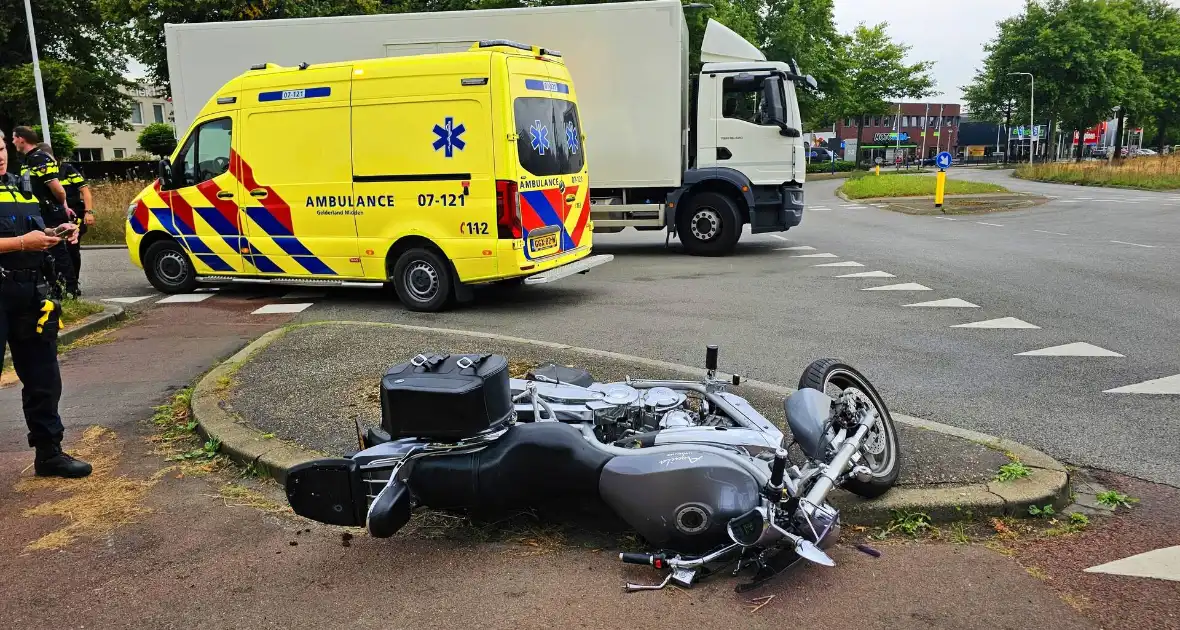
pixel 1049 483
pixel 110 314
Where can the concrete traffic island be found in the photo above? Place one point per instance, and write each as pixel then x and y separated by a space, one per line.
pixel 295 393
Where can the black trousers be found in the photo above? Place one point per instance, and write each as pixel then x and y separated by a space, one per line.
pixel 63 265
pixel 75 250
pixel 34 355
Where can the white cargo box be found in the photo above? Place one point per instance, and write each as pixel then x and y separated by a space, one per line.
pixel 628 62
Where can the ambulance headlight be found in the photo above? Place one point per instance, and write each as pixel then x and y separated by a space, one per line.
pixel 131 210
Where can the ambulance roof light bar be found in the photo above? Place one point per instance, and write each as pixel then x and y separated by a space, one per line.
pixel 492 43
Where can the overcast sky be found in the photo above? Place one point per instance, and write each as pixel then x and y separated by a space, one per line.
pixel 951 33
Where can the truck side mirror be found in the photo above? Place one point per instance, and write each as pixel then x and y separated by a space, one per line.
pixel 811 82
pixel 164 172
pixel 790 132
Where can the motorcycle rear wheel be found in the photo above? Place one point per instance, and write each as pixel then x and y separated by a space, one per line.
pixel 881 451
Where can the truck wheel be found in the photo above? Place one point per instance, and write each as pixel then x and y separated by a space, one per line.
pixel 423 281
pixel 169 268
pixel 710 225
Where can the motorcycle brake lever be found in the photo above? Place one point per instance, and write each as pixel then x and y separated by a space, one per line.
pixel 632 588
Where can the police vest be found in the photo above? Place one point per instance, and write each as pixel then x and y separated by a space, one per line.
pixel 18 215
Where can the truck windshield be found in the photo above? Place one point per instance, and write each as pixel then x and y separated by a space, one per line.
pixel 549 136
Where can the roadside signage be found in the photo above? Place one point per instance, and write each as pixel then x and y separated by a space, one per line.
pixel 843 145
pixel 943 160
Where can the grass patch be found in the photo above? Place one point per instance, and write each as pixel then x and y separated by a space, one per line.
pixel 1148 173
pixel 870 186
pixel 1114 499
pixel 111 198
pixel 909 523
pixel 1012 471
pixel 73 310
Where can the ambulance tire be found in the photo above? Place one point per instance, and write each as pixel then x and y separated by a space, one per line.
pixel 168 268
pixel 709 224
pixel 423 280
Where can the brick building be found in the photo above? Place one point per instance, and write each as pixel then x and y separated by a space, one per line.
pixel 939 122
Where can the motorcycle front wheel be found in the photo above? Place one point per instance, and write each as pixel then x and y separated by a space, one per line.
pixel 880 451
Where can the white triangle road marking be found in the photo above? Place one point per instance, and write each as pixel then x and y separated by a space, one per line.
pixel 1165 385
pixel 815 256
pixel 868 274
pixel 781 238
pixel 947 303
pixel 275 309
pixel 907 286
pixel 127 300
pixel 1076 349
pixel 1003 322
pixel 1161 564
pixel 797 248
pixel 846 263
pixel 185 298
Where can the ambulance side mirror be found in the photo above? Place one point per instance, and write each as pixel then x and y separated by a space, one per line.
pixel 164 172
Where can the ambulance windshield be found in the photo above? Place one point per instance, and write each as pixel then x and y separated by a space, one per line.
pixel 550 136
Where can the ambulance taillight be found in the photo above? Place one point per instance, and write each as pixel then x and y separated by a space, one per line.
pixel 508 223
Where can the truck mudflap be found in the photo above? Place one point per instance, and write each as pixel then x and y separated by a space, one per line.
pixel 579 266
pixel 776 209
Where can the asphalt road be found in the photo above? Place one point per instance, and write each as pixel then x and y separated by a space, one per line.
pixel 1094 266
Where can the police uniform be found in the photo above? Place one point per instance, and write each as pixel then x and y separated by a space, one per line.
pixel 29 325
pixel 73 181
pixel 38 169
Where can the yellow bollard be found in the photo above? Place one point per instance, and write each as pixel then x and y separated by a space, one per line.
pixel 878 170
pixel 939 187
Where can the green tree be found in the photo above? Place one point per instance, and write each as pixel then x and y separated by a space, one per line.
pixel 875 73
pixel 1151 29
pixel 805 30
pixel 82 55
pixel 1078 52
pixel 158 139
pixel 60 138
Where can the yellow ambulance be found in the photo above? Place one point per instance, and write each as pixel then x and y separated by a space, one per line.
pixel 432 174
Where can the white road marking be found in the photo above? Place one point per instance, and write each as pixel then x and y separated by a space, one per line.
pixel 1077 349
pixel 846 263
pixel 991 224
pixel 815 256
pixel 868 274
pixel 1135 244
pixel 796 248
pixel 1003 322
pixel 819 209
pixel 304 295
pixel 1048 232
pixel 1122 201
pixel 781 238
pixel 1161 564
pixel 1086 198
pixel 185 298
pixel 1067 201
pixel 1165 385
pixel 908 286
pixel 127 300
pixel 946 218
pixel 275 309
pixel 947 303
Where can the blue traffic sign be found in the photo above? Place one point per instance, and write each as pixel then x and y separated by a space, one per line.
pixel 943 160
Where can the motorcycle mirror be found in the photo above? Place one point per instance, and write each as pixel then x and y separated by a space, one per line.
pixel 812 553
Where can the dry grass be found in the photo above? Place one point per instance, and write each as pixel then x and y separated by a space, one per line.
pixel 111 198
pixel 93 506
pixel 1152 173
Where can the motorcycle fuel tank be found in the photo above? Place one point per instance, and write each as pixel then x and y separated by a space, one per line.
pixel 680 499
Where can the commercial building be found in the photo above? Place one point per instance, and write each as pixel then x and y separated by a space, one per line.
pixel 150 105
pixel 932 126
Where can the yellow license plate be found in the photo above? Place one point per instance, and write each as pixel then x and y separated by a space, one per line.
pixel 543 242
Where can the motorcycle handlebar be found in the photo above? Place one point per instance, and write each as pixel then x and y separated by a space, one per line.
pixel 642 558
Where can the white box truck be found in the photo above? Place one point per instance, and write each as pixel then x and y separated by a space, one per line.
pixel 697 156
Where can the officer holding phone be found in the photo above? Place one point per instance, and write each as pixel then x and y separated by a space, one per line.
pixel 29 322
pixel 41 175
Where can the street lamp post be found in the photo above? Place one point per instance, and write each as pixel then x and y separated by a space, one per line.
pixel 37 75
pixel 1032 83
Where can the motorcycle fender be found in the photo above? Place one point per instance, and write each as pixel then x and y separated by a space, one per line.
pixel 327 490
pixel 678 499
pixel 809 413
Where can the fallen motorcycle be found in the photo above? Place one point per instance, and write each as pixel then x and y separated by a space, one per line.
pixel 693 468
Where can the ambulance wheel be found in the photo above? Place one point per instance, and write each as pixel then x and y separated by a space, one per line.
pixel 169 268
pixel 422 279
pixel 709 225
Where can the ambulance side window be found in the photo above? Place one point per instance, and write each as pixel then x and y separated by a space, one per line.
pixel 205 155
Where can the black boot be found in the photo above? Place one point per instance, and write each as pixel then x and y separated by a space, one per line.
pixel 52 462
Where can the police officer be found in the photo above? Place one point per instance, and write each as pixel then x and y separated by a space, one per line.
pixel 29 323
pixel 40 174
pixel 77 196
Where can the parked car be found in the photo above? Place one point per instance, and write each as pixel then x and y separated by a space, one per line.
pixel 820 154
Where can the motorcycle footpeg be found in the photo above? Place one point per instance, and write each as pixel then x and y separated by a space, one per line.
pixel 390 511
